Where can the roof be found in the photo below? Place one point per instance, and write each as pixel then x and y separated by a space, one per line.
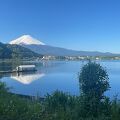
pixel 27 66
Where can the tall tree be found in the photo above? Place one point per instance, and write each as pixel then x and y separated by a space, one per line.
pixel 93 80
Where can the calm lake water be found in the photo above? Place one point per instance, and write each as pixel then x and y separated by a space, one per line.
pixel 57 75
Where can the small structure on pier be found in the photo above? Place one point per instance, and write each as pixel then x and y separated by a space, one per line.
pixel 25 68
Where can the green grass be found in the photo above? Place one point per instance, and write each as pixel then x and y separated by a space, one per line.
pixel 58 106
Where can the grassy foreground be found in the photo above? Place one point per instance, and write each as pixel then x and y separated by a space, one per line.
pixel 58 106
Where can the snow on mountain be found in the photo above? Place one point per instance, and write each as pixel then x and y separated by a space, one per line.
pixel 26 40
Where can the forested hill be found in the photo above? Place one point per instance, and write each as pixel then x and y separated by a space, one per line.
pixel 5 52
pixel 15 51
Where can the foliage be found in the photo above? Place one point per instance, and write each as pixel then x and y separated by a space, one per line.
pixel 5 53
pixel 93 83
pixel 14 108
pixel 58 106
pixel 93 80
pixel 3 88
pixel 22 52
pixel 8 51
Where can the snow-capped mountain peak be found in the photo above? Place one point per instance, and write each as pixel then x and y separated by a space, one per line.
pixel 26 40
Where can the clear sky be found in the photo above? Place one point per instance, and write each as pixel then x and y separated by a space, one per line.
pixel 92 25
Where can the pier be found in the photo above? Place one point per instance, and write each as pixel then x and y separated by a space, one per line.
pixel 21 68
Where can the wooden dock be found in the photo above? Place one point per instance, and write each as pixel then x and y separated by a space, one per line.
pixel 9 71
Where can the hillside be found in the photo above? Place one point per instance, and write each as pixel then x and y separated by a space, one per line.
pixel 15 51
pixel 5 52
pixel 22 52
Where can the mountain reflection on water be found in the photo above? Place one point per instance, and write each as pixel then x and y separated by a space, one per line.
pixel 49 77
pixel 26 77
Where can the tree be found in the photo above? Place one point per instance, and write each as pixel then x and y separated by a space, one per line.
pixel 93 80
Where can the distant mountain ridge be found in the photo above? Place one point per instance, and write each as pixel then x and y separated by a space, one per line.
pixel 56 51
pixel 38 47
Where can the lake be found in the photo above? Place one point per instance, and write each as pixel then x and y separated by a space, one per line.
pixel 57 75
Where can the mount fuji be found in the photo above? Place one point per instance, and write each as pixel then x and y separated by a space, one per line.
pixel 41 48
pixel 26 40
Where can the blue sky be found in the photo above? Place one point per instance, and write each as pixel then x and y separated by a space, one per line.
pixel 92 25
